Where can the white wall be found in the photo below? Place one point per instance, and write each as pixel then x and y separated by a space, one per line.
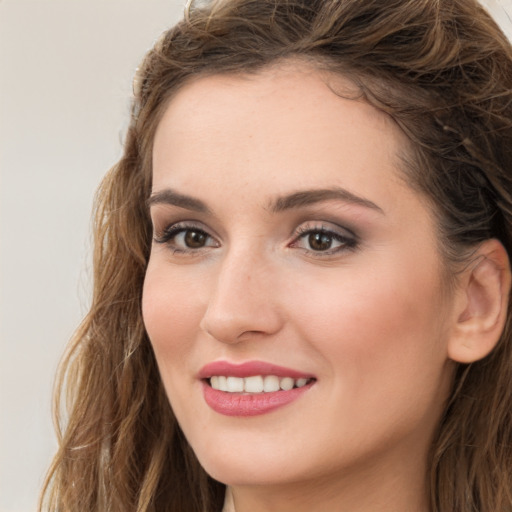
pixel 501 10
pixel 65 81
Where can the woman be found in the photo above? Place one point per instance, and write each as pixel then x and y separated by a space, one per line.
pixel 302 269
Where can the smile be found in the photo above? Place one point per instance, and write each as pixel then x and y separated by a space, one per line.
pixel 251 388
pixel 256 383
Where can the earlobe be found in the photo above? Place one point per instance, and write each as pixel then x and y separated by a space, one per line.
pixel 482 306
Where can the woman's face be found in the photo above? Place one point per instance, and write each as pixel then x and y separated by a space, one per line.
pixel 288 251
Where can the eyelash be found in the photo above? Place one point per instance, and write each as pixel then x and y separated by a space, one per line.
pixel 348 242
pixel 171 232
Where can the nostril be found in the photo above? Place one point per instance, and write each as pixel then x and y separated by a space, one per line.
pixel 239 327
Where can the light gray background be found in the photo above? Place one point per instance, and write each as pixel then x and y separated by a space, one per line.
pixel 66 69
pixel 65 82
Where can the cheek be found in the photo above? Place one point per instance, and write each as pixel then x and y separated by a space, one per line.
pixel 171 311
pixel 381 338
pixel 379 326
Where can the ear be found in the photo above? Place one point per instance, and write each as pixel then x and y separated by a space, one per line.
pixel 481 304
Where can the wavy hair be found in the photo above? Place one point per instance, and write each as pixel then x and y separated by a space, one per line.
pixel 442 69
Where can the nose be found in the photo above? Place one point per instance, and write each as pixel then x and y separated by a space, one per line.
pixel 242 304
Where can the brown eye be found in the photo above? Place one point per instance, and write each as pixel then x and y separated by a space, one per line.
pixel 319 241
pixel 182 238
pixel 195 239
pixel 324 241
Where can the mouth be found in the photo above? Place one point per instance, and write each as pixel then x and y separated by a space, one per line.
pixel 252 388
pixel 256 383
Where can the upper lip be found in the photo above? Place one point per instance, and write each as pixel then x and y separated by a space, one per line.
pixel 248 369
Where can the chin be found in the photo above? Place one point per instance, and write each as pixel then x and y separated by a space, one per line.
pixel 247 473
pixel 252 464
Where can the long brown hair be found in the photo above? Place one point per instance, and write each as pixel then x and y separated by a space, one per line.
pixel 443 70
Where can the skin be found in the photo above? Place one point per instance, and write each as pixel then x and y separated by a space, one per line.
pixel 372 322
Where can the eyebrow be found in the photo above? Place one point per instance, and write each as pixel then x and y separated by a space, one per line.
pixel 309 197
pixel 280 204
pixel 168 196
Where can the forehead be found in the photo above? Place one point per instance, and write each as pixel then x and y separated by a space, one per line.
pixel 283 83
pixel 290 120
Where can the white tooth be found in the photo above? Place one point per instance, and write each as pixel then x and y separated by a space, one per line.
pixel 214 382
pixel 223 385
pixel 286 383
pixel 270 383
pixel 301 382
pixel 235 385
pixel 253 384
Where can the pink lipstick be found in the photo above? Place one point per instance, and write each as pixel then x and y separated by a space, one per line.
pixel 251 388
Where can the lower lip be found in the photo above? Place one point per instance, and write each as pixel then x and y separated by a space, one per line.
pixel 239 404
